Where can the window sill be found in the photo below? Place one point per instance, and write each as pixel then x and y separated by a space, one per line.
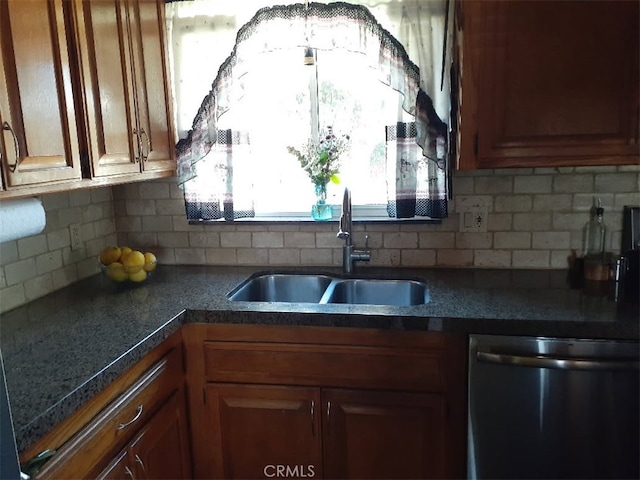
pixel 301 220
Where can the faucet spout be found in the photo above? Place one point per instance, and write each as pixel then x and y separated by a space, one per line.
pixel 345 232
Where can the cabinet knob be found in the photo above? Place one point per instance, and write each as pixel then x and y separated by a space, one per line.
pixel 139 460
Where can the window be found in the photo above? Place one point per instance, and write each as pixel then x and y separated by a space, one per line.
pixel 234 159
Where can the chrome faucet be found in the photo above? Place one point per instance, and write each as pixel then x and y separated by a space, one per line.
pixel 345 232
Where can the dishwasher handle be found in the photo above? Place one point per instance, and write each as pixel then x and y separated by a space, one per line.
pixel 558 363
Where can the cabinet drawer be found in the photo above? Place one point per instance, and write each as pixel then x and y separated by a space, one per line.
pixel 325 365
pixel 117 423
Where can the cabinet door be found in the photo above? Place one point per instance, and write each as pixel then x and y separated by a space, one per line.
pixel 108 82
pixel 559 83
pixel 37 111
pixel 155 120
pixel 377 434
pixel 161 450
pixel 264 431
pixel 118 469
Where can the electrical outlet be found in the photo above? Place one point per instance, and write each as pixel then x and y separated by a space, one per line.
pixel 474 219
pixel 76 240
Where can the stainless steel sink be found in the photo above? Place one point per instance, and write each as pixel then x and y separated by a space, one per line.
pixel 281 287
pixel 377 292
pixel 323 289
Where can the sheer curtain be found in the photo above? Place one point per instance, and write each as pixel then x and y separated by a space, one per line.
pixel 405 40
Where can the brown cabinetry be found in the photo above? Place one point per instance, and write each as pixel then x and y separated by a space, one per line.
pixel 325 402
pixel 126 89
pixel 137 426
pixel 39 133
pixel 549 83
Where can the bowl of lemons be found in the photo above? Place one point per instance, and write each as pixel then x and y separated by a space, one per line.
pixel 124 265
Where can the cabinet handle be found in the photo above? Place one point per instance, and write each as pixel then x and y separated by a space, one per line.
pixel 7 127
pixel 148 142
pixel 139 147
pixel 139 460
pixel 129 473
pixel 136 417
pixel 313 415
pixel 329 418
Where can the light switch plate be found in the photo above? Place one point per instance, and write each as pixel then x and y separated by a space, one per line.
pixel 474 219
pixel 76 239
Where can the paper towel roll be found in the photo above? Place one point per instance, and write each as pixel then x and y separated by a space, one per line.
pixel 21 218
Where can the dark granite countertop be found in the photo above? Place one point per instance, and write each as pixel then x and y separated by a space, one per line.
pixel 62 349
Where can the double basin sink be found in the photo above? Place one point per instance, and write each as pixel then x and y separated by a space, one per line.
pixel 327 289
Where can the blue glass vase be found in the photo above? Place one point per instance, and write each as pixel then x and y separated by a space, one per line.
pixel 321 211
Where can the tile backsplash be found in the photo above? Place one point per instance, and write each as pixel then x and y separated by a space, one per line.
pixel 535 220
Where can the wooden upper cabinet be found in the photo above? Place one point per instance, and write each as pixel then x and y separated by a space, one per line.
pixel 549 83
pixel 125 80
pixel 39 141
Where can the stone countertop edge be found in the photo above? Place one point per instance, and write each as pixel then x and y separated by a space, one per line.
pixel 55 337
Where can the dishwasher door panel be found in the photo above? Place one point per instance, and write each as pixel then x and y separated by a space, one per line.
pixel 575 420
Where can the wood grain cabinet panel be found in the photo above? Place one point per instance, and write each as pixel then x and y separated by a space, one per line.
pixel 39 141
pixel 549 83
pixel 126 86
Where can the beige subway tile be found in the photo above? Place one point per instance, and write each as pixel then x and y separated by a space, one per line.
pixel 8 252
pixel 560 259
pixel 173 239
pixel 143 240
pixel 174 189
pixel 513 203
pixel 622 199
pixel 157 223
pixel 48 262
pixel 170 207
pixel 67 216
pixel 316 256
pixel 389 257
pixel 299 239
pixel 463 185
pixel 530 259
pixel 513 171
pixel 545 171
pixel 512 240
pixel 221 256
pixel 437 240
pixel 253 256
pixel 617 182
pixel 533 222
pixel 87 268
pixel 181 224
pixel 473 240
pixel 629 168
pixel 64 276
pixel 573 183
pixel 166 256
pixel 492 258
pixel 568 221
pixel 79 198
pixel 70 257
pixel 577 240
pixel 595 169
pixel 267 239
pixel 286 227
pixel 417 258
pixel 551 240
pixel 242 228
pixel 119 208
pixel 93 212
pixel 454 258
pixel 128 224
pixel 533 184
pixel 38 287
pixel 141 207
pixel 499 222
pixel 552 203
pixel 190 256
pixel 12 297
pixel 55 201
pixel 463 202
pixel 154 190
pixel 32 246
pixel 87 232
pixel 101 195
pixel 376 228
pixel 103 228
pixel 494 184
pixel 57 239
pixel 93 247
pixel 329 240
pixel 284 256
pixel 400 240
pixel 235 239
pixel 3 280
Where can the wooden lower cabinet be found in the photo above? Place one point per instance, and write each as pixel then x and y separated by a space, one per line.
pixel 159 451
pixel 307 402
pixel 381 434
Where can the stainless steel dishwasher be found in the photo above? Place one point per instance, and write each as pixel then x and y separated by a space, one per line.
pixel 552 408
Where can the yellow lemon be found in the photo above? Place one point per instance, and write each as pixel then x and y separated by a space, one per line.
pixel 115 271
pixel 139 276
pixel 149 262
pixel 109 255
pixel 133 262
pixel 124 251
